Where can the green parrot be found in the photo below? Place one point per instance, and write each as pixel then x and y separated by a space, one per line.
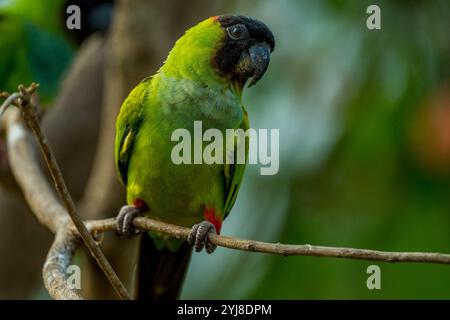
pixel 202 79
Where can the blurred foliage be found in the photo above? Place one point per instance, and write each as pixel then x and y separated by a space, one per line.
pixel 33 45
pixel 364 120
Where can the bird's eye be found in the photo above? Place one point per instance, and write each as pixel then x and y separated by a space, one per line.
pixel 237 32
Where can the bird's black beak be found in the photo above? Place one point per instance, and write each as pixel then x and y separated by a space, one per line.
pixel 260 57
pixel 254 63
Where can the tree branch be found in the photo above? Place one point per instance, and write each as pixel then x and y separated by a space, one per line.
pixel 28 109
pixel 28 174
pixel 51 214
pixel 59 258
pixel 9 101
pixel 145 224
pixel 66 242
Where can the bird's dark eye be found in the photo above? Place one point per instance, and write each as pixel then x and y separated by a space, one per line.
pixel 237 32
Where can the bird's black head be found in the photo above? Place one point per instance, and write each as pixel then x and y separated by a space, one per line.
pixel 245 51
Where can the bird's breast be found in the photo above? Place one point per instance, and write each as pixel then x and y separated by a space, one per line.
pixel 217 106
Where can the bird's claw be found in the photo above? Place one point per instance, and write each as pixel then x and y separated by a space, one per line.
pixel 124 224
pixel 198 237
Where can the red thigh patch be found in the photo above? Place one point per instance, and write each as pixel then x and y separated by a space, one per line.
pixel 210 215
pixel 140 204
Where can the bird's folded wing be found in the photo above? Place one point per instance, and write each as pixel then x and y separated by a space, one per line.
pixel 235 172
pixel 127 126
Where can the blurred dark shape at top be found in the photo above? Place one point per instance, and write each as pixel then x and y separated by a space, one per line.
pixel 96 16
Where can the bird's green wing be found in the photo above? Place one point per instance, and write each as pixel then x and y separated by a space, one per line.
pixel 127 126
pixel 235 172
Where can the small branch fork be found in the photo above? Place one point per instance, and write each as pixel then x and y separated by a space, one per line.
pixel 23 101
pixel 70 231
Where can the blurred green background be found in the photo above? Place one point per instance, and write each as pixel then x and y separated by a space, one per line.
pixel 364 120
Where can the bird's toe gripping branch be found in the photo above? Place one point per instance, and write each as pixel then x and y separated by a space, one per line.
pixel 124 224
pixel 198 237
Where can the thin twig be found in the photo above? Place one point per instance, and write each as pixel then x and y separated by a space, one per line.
pixel 9 101
pixel 51 214
pixel 66 241
pixel 145 224
pixel 31 119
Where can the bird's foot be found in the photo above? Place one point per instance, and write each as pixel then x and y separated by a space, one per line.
pixel 124 224
pixel 199 237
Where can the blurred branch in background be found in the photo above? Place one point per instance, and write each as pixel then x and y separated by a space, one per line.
pixel 29 113
pixel 104 71
pixel 51 214
pixel 76 106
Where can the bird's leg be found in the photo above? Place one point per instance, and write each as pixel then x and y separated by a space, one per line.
pixel 198 237
pixel 124 224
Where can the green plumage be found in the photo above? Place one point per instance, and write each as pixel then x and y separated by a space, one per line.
pixel 186 88
pixel 201 81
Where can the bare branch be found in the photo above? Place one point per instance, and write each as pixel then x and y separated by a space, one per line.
pixel 60 255
pixel 59 258
pixel 145 224
pixel 54 216
pixel 28 174
pixel 28 109
pixel 9 101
